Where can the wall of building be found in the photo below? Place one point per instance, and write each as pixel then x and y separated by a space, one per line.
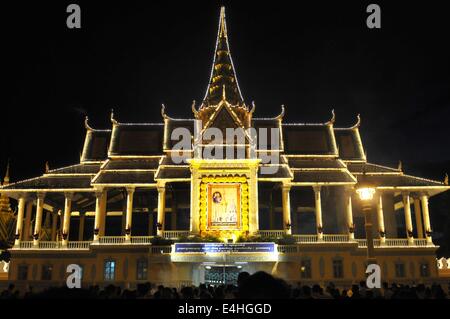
pixel 162 271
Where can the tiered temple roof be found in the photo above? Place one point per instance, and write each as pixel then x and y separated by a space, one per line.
pixel 139 154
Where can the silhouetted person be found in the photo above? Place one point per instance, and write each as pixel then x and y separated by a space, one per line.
pixel 261 285
pixel 242 277
pixel 187 293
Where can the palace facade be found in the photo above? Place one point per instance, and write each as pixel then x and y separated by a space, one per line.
pixel 293 191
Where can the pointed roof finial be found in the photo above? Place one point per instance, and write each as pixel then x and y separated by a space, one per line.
pixel 113 120
pixel 222 71
pixel 446 179
pixel 358 121
pixel 194 110
pixel 400 166
pixel 6 178
pixel 253 107
pixel 163 111
pixel 47 167
pixel 281 115
pixel 86 124
pixel 333 118
pixel 222 23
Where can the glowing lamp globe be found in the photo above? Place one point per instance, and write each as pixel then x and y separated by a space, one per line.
pixel 366 193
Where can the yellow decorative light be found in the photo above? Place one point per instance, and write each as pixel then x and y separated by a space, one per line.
pixel 365 193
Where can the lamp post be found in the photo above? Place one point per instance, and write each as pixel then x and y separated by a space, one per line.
pixel 366 193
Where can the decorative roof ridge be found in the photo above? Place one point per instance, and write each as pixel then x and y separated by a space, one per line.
pixel 304 124
pixel 278 117
pixel 333 118
pixel 22 181
pixel 426 179
pixel 139 124
pixel 354 126
pixel 90 128
pixel 382 166
pixel 70 166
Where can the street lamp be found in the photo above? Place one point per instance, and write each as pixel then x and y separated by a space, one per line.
pixel 366 192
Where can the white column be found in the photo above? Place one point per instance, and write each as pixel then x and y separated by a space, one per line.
pixel 38 220
pixel 60 217
pixel 194 216
pixel 19 223
pixel 103 213
pixel 318 205
pixel 287 225
pixel 349 213
pixel 27 226
pixel 98 212
pixel 67 213
pixel 128 223
pixel 161 208
pixel 426 218
pixel 380 219
pixel 417 213
pixel 253 218
pixel 408 220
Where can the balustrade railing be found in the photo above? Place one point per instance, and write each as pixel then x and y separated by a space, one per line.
pixel 336 238
pixel 394 242
pixel 300 239
pixel 111 240
pixel 272 233
pixel 26 244
pixel 141 239
pixel 421 242
pixel 306 238
pixel 49 244
pixel 174 234
pixel 78 244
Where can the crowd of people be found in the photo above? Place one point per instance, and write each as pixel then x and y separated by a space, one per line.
pixel 257 286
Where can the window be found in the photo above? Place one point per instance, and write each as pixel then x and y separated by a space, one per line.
pixel 305 269
pixel 46 272
pixel 109 270
pixel 338 268
pixel 22 272
pixel 141 269
pixel 424 270
pixel 399 270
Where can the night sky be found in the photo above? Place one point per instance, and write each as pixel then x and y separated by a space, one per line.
pixel 133 56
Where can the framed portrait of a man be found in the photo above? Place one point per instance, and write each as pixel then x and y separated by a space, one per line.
pixel 224 206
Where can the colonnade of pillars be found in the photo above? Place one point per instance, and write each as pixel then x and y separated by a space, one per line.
pixel 25 208
pixel 420 208
pixel 421 211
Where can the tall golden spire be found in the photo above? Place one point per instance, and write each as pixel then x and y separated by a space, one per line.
pixel 4 200
pixel 223 75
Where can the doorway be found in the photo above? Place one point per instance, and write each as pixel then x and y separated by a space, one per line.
pixel 221 275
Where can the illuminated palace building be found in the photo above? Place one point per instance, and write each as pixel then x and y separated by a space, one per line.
pixel 138 207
